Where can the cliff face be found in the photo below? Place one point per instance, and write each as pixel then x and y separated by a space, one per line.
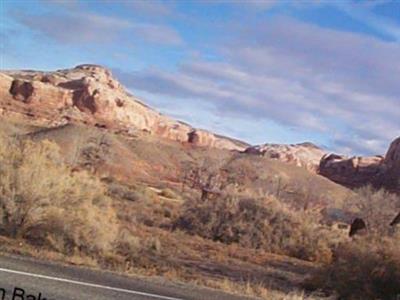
pixel 392 158
pixel 304 155
pixel 89 94
pixel 380 171
pixel 392 162
pixel 352 171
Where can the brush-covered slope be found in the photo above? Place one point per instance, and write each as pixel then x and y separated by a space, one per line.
pixel 161 162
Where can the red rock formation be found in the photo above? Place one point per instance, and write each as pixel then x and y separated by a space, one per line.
pixel 392 162
pixel 202 137
pixel 352 171
pixel 380 171
pixel 392 158
pixel 304 155
pixel 89 94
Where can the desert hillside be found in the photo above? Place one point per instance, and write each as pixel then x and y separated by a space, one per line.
pixel 200 150
pixel 89 94
pixel 160 197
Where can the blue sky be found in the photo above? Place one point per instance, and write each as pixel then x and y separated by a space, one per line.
pixel 259 70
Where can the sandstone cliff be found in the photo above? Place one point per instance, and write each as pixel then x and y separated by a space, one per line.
pixel 352 171
pixel 304 155
pixel 392 162
pixel 380 171
pixel 392 158
pixel 89 94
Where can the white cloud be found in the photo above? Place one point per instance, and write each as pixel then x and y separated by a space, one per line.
pixel 73 26
pixel 300 76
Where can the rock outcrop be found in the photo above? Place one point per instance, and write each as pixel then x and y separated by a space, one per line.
pixel 392 157
pixel 89 94
pixel 392 162
pixel 352 171
pixel 306 155
pixel 379 171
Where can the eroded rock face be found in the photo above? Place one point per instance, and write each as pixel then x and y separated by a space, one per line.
pixel 392 162
pixel 352 171
pixel 202 137
pixel 379 171
pixel 392 157
pixel 89 94
pixel 304 155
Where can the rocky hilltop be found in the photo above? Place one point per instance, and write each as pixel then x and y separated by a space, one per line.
pixel 306 155
pixel 357 171
pixel 89 94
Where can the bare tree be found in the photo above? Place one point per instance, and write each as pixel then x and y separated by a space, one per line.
pixel 208 177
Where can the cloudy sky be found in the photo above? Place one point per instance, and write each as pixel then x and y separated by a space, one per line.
pixel 258 70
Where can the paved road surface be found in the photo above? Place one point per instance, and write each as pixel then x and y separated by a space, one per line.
pixel 59 282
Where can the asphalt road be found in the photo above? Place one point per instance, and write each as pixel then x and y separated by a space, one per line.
pixel 26 278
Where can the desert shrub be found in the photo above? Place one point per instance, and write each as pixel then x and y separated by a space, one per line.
pixel 366 268
pixel 127 244
pixel 377 207
pixel 262 224
pixel 43 202
pixel 117 190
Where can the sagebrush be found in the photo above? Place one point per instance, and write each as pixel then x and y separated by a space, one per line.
pixel 256 223
pixel 43 201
